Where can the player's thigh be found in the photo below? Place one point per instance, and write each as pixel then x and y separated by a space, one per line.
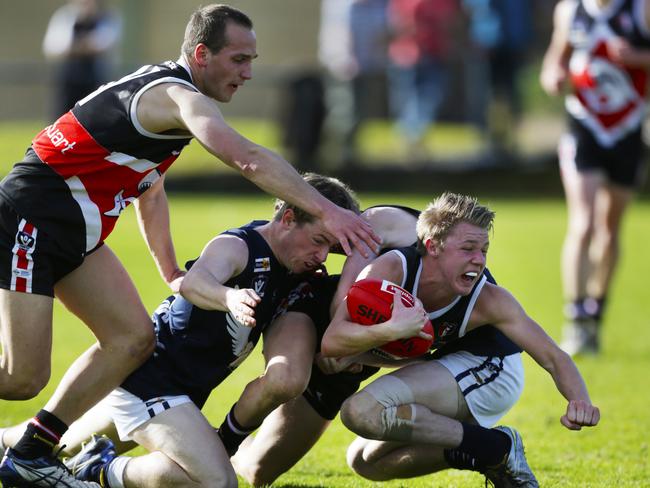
pixel 101 293
pixel 431 385
pixel 291 340
pixel 25 332
pixel 96 421
pixel 185 436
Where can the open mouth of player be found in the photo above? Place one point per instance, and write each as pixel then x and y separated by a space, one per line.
pixel 469 277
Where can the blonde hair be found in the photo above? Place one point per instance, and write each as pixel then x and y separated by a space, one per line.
pixel 449 209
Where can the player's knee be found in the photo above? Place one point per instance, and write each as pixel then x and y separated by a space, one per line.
pixel 24 384
pixel 359 413
pixel 26 389
pixel 362 466
pixel 257 476
pixel 137 346
pixel 581 229
pixel 283 383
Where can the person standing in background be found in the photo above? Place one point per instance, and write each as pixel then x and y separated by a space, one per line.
pixel 602 48
pixel 420 47
pixel 80 38
pixel 352 48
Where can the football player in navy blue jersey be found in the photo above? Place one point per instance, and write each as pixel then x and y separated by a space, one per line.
pixel 306 388
pixel 226 301
pixel 61 202
pixel 440 413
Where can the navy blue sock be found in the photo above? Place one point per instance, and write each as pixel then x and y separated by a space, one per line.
pixel 479 449
pixel 232 433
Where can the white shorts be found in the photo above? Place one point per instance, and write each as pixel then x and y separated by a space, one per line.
pixel 490 385
pixel 129 412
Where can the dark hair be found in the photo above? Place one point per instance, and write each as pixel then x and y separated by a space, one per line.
pixel 207 26
pixel 331 188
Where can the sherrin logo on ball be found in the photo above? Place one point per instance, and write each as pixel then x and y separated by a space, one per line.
pixel 370 302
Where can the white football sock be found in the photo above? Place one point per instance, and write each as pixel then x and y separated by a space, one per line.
pixel 115 471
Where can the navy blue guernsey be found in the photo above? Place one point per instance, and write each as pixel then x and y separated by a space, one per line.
pixel 449 323
pixel 197 349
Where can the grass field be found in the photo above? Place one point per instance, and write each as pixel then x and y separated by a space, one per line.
pixel 524 258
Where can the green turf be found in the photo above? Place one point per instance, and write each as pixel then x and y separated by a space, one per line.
pixel 524 258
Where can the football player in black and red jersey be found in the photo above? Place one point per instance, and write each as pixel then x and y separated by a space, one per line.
pixel 601 51
pixel 60 203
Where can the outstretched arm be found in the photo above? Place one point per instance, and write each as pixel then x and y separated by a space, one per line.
pixel 174 106
pixel 498 307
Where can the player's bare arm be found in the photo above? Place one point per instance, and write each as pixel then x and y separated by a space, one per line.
pixel 224 257
pixel 174 106
pixel 394 226
pixel 497 307
pixel 623 52
pixel 153 219
pixel 555 63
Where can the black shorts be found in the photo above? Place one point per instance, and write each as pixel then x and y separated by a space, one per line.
pixel 327 392
pixel 623 163
pixel 31 261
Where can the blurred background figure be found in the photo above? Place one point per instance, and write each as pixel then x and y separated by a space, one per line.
pixel 352 49
pixel 422 34
pixel 500 34
pixel 603 50
pixel 80 38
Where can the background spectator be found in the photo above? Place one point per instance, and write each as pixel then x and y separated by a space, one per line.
pixel 80 37
pixel 422 34
pixel 500 32
pixel 352 48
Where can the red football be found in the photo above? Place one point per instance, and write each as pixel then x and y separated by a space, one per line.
pixel 370 302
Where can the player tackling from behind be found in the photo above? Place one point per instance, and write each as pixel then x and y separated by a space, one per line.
pixel 227 300
pixel 62 201
pixel 440 413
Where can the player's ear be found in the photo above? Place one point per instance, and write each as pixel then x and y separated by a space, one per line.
pixel 288 217
pixel 201 54
pixel 432 247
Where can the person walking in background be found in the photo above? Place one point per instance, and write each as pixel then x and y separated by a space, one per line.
pixel 61 202
pixel 80 38
pixel 602 49
pixel 421 43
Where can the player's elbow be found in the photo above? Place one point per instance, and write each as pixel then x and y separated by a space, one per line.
pixel 249 163
pixel 328 347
